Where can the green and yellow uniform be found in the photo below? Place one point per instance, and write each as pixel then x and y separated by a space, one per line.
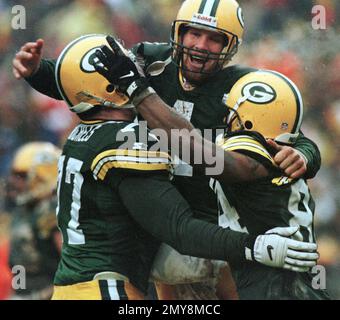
pixel 255 207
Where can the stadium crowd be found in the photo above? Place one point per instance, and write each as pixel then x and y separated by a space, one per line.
pixel 279 35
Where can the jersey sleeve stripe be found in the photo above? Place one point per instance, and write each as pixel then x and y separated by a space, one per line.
pixel 252 149
pixel 130 159
pixel 130 153
pixel 132 166
pixel 246 143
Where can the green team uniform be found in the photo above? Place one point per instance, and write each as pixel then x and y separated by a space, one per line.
pixel 33 246
pixel 255 207
pixel 113 201
pixel 202 106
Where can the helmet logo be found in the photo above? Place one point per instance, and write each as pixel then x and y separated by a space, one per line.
pixel 86 63
pixel 258 92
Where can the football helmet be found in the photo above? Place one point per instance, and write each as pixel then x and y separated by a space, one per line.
pixel 78 82
pixel 37 163
pixel 267 102
pixel 223 16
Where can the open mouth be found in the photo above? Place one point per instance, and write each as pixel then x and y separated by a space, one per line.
pixel 196 60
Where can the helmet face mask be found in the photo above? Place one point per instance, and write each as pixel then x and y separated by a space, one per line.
pixel 80 85
pixel 266 102
pixel 34 172
pixel 224 17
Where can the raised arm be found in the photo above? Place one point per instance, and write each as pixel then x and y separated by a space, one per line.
pixel 38 72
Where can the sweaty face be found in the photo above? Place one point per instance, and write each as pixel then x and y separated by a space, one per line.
pixel 198 43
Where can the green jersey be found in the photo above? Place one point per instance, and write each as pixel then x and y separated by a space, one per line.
pixel 274 201
pixel 98 233
pixel 115 200
pixel 256 207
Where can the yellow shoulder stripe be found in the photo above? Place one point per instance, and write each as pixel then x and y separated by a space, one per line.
pixel 246 143
pixel 129 159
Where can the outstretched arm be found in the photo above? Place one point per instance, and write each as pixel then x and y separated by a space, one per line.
pixel 38 72
pixel 27 59
pixel 169 219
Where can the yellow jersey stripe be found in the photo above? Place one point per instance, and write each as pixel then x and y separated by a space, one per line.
pixel 129 153
pixel 91 121
pixel 242 139
pixel 242 144
pixel 245 142
pixel 125 159
pixel 130 165
pixel 252 149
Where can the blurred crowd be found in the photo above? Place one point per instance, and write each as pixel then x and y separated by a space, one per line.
pixel 279 35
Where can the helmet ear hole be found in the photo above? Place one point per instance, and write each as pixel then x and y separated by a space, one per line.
pixel 248 125
pixel 110 88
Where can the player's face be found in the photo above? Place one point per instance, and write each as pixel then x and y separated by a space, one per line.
pixel 195 62
pixel 17 184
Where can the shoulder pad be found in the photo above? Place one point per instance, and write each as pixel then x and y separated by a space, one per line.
pixel 135 150
pixel 249 143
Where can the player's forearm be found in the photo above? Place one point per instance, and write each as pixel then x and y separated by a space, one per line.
pixel 205 156
pixel 240 168
pixel 312 154
pixel 44 81
pixel 168 218
pixel 159 115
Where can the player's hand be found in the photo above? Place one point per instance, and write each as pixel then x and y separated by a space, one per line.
pixel 27 60
pixel 118 67
pixel 290 160
pixel 275 249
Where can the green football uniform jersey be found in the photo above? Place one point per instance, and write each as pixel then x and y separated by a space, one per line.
pixel 98 233
pixel 266 203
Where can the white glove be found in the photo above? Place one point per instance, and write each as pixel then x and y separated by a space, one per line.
pixel 274 249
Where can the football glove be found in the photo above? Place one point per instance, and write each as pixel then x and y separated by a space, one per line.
pixel 119 67
pixel 275 249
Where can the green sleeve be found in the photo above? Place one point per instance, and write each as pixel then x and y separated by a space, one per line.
pixel 312 153
pixel 44 81
pixel 157 206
